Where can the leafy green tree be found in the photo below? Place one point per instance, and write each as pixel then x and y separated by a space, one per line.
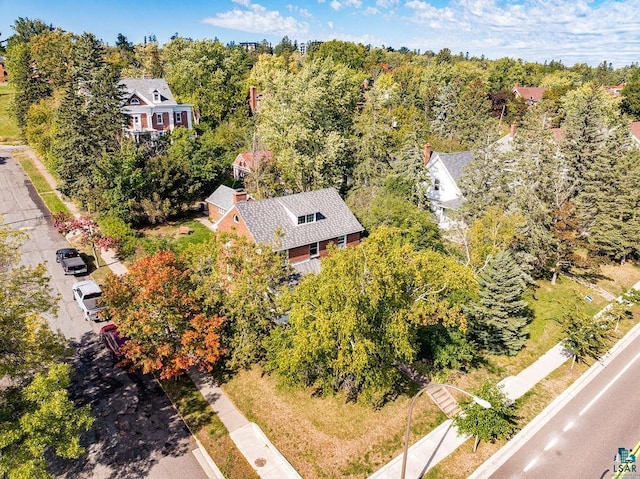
pixel 208 75
pixel 306 119
pixel 417 225
pixel 351 323
pixel 348 53
pixel 631 95
pixel 496 422
pixel 498 321
pixel 586 337
pixel 243 281
pixel 29 85
pixel 38 418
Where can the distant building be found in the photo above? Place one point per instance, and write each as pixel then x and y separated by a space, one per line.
pixel 445 170
pixel 530 94
pixel 249 46
pixel 151 108
pixel 615 89
pixel 249 161
pixel 4 76
pixel 302 48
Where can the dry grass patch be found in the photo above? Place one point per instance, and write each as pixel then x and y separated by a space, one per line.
pixel 327 437
pixel 619 278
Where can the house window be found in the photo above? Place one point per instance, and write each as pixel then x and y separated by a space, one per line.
pixel 313 250
pixel 221 210
pixel 178 117
pixel 156 97
pixel 341 241
pixel 236 219
pixel 134 101
pixel 310 218
pixel 436 184
pixel 159 118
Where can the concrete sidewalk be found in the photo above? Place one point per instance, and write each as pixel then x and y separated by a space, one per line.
pixel 445 439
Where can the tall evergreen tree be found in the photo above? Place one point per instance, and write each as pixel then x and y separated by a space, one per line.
pixel 498 321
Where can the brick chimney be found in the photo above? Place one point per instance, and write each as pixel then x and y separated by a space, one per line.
pixel 427 153
pixel 253 99
pixel 514 127
pixel 239 196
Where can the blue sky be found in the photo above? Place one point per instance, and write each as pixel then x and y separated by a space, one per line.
pixel 573 31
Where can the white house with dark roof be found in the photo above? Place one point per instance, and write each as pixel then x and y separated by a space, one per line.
pixel 151 108
pixel 301 225
pixel 445 169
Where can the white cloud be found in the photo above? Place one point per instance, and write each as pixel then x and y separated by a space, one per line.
pixel 386 3
pixel 257 19
pixel 535 30
pixel 353 3
pixel 303 12
pixel 371 11
pixel 335 5
pixel 330 25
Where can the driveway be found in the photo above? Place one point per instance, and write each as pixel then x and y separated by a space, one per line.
pixel 137 432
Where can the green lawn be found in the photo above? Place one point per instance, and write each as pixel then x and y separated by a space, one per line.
pixel 206 426
pixel 199 234
pixel 9 132
pixel 48 195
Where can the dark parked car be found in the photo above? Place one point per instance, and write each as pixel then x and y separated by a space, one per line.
pixel 112 340
pixel 71 261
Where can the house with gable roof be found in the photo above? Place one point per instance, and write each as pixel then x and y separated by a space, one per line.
pixel 530 94
pixel 446 170
pixel 249 161
pixel 151 108
pixel 301 225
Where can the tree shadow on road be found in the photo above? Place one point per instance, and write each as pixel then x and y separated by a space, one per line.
pixel 136 424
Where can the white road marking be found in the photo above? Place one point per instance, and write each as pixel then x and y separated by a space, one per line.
pixel 530 465
pixel 603 390
pixel 568 426
pixel 551 443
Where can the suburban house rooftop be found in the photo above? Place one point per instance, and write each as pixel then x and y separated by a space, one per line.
pixel 299 219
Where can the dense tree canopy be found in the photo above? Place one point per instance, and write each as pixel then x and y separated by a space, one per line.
pixel 350 324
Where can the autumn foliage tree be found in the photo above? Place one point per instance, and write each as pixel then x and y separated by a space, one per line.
pixel 154 306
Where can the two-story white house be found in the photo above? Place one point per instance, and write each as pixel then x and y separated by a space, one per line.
pixel 445 170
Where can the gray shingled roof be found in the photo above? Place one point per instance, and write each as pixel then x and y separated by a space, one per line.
pixel 146 86
pixel 222 197
pixel 455 162
pixel 264 217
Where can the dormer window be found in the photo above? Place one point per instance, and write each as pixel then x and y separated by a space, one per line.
pixel 134 101
pixel 436 184
pixel 156 97
pixel 310 218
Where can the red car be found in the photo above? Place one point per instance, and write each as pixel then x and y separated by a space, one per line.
pixel 112 340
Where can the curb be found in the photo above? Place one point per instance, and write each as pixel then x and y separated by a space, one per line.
pixel 498 459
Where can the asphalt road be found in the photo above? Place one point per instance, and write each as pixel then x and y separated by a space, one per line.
pixel 137 432
pixel 582 440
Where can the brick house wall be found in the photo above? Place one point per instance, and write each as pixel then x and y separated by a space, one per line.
pixel 160 126
pixel 233 223
pixel 301 253
pixel 353 239
pixel 214 212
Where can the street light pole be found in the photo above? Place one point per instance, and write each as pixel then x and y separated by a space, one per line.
pixel 482 402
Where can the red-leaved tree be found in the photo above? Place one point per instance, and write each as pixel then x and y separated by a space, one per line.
pixel 88 230
pixel 154 305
